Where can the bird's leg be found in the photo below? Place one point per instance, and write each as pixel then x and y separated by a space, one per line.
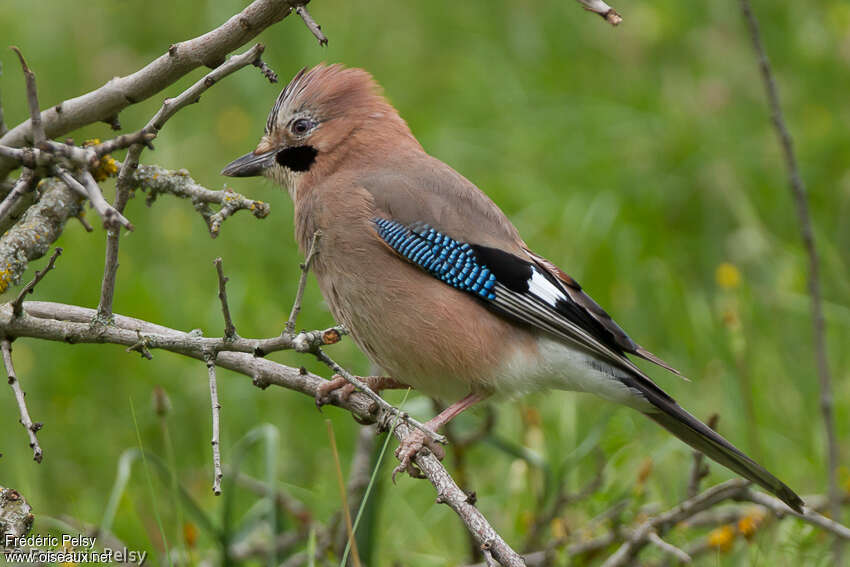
pixel 417 439
pixel 375 383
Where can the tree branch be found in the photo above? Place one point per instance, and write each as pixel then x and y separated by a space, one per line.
pixel 106 102
pixel 26 421
pixel 798 193
pixel 71 324
pixel 40 226
pixel 608 13
pixel 32 99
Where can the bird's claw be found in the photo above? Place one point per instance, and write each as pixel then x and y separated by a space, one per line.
pixel 410 446
pixel 323 392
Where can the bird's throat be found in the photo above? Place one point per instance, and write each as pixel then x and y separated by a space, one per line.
pixel 298 158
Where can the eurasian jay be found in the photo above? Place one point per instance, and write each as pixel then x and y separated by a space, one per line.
pixel 433 281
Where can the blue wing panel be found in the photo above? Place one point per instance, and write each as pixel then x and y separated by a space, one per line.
pixel 441 256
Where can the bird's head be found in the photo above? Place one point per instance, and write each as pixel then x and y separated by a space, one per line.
pixel 318 119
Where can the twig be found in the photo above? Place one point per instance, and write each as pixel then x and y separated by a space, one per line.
pixel 779 509
pixel 311 24
pixel 123 189
pixel 106 102
pixel 662 522
pixel 302 282
pixel 209 358
pixel 112 219
pixel 32 100
pixel 67 323
pixel 699 469
pixel 158 180
pixel 386 407
pixel 23 184
pixel 18 303
pixel 229 328
pixel 798 192
pixel 608 13
pixel 32 428
pixel 667 548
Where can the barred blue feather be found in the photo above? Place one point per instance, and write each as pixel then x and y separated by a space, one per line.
pixel 441 256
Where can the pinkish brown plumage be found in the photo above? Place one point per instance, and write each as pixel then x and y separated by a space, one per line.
pixel 432 279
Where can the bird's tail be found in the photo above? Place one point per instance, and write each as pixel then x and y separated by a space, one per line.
pixel 698 435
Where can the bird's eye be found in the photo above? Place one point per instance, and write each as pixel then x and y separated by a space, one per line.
pixel 301 126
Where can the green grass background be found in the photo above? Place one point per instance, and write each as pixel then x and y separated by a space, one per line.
pixel 639 159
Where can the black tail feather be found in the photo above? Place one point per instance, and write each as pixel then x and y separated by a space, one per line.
pixel 698 435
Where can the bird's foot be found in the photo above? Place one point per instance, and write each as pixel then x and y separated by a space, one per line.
pixel 346 388
pixel 414 442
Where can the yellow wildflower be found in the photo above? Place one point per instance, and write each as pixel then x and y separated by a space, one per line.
pixel 750 522
pixel 722 538
pixel 727 276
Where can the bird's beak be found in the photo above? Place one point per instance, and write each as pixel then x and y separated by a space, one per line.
pixel 249 165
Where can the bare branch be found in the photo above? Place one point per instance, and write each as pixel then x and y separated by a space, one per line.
pixel 112 219
pixel 18 303
pixel 39 227
pixel 779 509
pixel 193 94
pixel 667 548
pixel 106 102
pixel 798 192
pixel 360 385
pixel 608 13
pixel 662 522
pixel 66 323
pixel 158 180
pixel 32 100
pixel 315 28
pixel 26 421
pixel 229 328
pixel 302 282
pixel 209 358
pixel 23 185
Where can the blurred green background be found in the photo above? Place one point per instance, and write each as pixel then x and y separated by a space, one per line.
pixel 638 158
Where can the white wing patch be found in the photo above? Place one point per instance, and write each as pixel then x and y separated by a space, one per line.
pixel 544 289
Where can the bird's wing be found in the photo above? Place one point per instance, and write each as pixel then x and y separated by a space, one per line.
pixel 512 286
pixel 526 290
pixel 591 308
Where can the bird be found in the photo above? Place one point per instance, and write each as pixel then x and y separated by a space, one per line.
pixel 433 281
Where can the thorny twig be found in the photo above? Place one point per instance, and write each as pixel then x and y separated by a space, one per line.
pixel 18 303
pixel 229 327
pixel 22 185
pixel 798 192
pixel 209 358
pixel 26 421
pixel 316 29
pixel 608 13
pixel 32 100
pixel 302 282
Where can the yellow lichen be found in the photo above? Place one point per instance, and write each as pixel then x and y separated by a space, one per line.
pixel 722 538
pixel 106 167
